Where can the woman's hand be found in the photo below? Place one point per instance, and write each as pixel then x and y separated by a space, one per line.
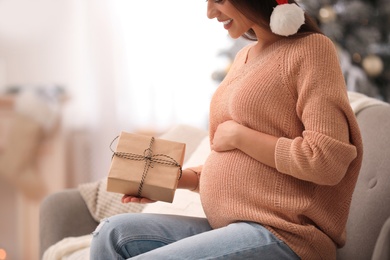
pixel 225 136
pixel 134 199
pixel 232 135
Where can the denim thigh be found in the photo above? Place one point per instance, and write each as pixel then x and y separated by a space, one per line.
pixel 155 236
pixel 126 235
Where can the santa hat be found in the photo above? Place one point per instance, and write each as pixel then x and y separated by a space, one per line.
pixel 286 19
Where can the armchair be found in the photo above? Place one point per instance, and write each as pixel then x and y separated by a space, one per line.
pixel 65 214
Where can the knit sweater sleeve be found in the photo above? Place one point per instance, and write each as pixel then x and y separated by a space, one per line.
pixel 323 152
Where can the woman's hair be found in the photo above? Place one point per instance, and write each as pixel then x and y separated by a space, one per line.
pixel 259 12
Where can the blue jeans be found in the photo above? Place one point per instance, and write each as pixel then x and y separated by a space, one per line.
pixel 157 236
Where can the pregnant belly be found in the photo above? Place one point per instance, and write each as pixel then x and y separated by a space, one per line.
pixel 231 181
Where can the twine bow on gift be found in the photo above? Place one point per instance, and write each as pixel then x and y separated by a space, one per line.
pixel 149 159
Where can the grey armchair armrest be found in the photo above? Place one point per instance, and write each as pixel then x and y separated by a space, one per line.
pixel 382 246
pixel 370 207
pixel 63 214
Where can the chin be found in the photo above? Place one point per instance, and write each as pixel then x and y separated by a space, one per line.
pixel 234 36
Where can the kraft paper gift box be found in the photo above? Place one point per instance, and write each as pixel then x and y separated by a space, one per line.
pixel 145 166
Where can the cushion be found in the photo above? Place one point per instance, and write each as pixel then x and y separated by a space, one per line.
pixel 103 204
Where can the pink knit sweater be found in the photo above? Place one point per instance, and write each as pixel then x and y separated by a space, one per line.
pixel 294 90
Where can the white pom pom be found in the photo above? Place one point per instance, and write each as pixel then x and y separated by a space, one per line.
pixel 286 19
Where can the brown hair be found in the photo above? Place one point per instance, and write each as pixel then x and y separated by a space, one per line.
pixel 259 12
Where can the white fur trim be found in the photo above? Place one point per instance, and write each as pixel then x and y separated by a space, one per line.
pixel 286 19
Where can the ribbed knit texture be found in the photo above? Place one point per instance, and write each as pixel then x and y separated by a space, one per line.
pixel 294 90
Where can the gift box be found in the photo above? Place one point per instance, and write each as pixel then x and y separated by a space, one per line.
pixel 145 166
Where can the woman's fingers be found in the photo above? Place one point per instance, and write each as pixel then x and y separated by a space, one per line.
pixel 133 199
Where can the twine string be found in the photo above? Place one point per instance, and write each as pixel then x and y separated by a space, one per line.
pixel 149 159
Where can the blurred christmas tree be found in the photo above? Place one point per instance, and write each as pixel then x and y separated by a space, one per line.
pixel 361 31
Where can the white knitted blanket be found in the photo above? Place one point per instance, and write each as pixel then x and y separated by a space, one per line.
pixel 71 248
pixel 360 101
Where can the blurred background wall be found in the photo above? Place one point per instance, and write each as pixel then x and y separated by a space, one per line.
pixel 86 70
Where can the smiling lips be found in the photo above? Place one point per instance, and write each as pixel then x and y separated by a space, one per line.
pixel 227 23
